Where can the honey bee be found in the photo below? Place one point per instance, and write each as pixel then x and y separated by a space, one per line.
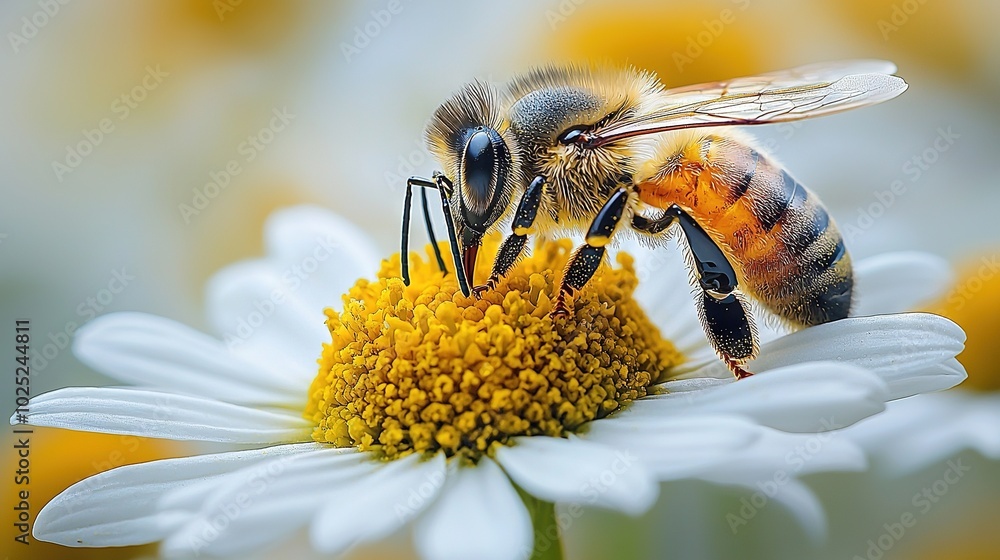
pixel 588 150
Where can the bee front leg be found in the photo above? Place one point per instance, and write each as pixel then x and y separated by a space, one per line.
pixel 513 247
pixel 585 260
pixel 722 308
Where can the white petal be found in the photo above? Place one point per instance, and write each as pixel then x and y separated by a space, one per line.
pixel 935 377
pixel 780 455
pixel 928 429
pixel 262 505
pixel 693 384
pixel 204 494
pixel 118 507
pixel 676 447
pixel 331 253
pixel 897 282
pixel 805 508
pixel 378 505
pixel 121 410
pixel 262 320
pixel 478 515
pixel 912 352
pixel 158 353
pixel 581 472
pixel 795 496
pixel 808 397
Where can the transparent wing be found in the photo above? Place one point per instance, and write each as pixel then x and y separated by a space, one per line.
pixel 788 95
pixel 822 72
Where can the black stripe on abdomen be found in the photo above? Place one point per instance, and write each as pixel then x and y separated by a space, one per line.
pixel 769 212
pixel 819 222
pixel 826 258
pixel 740 188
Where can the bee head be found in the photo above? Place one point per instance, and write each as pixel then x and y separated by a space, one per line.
pixel 470 137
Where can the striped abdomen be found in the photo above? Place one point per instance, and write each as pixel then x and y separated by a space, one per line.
pixel 776 232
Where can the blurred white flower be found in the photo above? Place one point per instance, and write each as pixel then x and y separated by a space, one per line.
pixel 252 390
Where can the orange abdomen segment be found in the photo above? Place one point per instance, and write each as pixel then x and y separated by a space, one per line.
pixel 778 236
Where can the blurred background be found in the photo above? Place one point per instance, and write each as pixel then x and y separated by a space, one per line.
pixel 144 144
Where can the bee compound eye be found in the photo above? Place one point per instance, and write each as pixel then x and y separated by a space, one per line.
pixel 573 134
pixel 480 163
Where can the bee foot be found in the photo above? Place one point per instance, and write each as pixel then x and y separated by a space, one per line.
pixel 478 291
pixel 738 370
pixel 560 309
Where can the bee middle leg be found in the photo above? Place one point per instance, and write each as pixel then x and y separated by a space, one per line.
pixel 722 308
pixel 585 261
pixel 513 246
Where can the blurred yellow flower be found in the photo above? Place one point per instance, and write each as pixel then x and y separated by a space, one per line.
pixel 974 304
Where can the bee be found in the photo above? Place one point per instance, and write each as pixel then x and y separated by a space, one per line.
pixel 598 151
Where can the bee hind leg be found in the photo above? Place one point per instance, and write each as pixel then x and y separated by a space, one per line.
pixel 513 246
pixel 587 259
pixel 722 308
pixel 729 328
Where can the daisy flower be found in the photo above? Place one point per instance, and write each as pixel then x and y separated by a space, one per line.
pixel 460 420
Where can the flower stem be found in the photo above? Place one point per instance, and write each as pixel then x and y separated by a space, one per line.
pixel 547 540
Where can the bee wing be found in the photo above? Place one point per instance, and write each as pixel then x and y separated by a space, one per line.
pixel 800 75
pixel 788 95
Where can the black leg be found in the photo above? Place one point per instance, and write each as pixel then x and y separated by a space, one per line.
pixel 513 247
pixel 586 260
pixel 447 189
pixel 722 308
pixel 444 188
pixel 730 330
pixel 404 250
pixel 654 226
pixel 430 233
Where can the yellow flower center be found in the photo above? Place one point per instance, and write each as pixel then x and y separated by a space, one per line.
pixel 422 368
pixel 974 303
